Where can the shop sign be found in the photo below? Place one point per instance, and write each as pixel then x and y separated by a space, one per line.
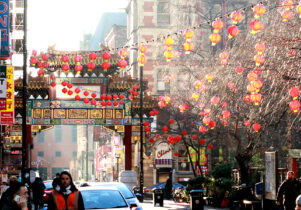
pixel 163 151
pixel 3 103
pixel 7 115
pixel 4 27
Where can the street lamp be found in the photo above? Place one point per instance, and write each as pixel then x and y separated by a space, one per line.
pixel 117 156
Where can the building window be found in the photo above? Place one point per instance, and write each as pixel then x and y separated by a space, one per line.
pixel 58 154
pixel 74 154
pixel 41 137
pixel 58 133
pixel 162 87
pixel 74 133
pixel 40 154
pixel 163 14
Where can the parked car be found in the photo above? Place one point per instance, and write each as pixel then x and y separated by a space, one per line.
pixel 100 197
pixel 162 185
pixel 126 192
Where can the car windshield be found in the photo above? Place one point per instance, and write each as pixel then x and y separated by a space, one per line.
pixel 126 192
pixel 48 185
pixel 103 199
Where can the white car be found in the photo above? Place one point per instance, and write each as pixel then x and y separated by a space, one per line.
pixel 104 198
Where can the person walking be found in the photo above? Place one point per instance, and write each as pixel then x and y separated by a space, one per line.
pixel 13 180
pixel 67 197
pixel 38 188
pixel 17 199
pixel 290 188
pixel 168 188
pixel 56 180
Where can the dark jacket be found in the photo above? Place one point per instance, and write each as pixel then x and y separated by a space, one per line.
pixel 38 188
pixel 290 189
pixel 55 182
pixel 52 206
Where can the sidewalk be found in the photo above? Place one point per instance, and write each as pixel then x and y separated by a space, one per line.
pixel 171 205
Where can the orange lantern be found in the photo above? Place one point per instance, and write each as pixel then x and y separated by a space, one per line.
pixel 251 89
pixel 259 10
pixel 169 42
pixel 288 4
pixel 299 10
pixel 142 60
pixel 195 96
pixel 256 26
pixel 252 76
pixel 209 77
pixel 259 59
pixel 256 127
pixel 217 25
pixel 206 120
pixel 233 31
pixel 215 38
pixel 226 114
pixel 260 47
pixel 239 69
pixel 123 53
pixel 256 84
pixel 286 15
pixel 224 55
pixel 188 47
pixel 168 55
pixel 236 16
pixel 198 84
pixel 294 92
pixel 295 106
pixel 142 48
pixel 256 98
pixel 188 35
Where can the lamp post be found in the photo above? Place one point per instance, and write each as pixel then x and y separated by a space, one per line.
pixel 117 156
pixel 141 133
pixel 24 97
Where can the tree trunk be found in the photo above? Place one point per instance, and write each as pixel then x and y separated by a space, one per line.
pixel 243 162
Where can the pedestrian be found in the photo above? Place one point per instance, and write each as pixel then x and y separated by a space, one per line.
pixel 4 197
pixel 38 188
pixel 67 197
pixel 298 203
pixel 56 180
pixel 290 188
pixel 168 188
pixel 17 199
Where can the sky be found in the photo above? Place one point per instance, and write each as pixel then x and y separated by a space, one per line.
pixel 63 22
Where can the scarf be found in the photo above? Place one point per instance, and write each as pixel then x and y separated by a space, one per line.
pixel 67 190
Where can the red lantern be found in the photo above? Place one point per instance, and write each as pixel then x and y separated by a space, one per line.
pixel 109 97
pixel 115 103
pixel 103 96
pixel 109 103
pixel 33 61
pixel 121 102
pixel 122 64
pixel 64 83
pixel 77 98
pixel 294 92
pixel 52 77
pixel 194 137
pixel 78 68
pixel 65 59
pixel 247 123
pixel 92 56
pixel 123 53
pixel 188 47
pixel 210 146
pixel 214 100
pixel 226 114
pixel 34 53
pixel 165 128
pixel 93 95
pixel 78 59
pixel 224 122
pixel 295 106
pixel 215 38
pixel 256 26
pixel 64 90
pixel 257 71
pixel 224 104
pixel 202 129
pixel 146 123
pixel 233 31
pixel 69 86
pixel 105 66
pixel 53 84
pixel 103 103
pixel 44 57
pixel 236 16
pixel 288 4
pixel 41 72
pixel 259 10
pixel 202 141
pixel 247 98
pixel 151 140
pixel 86 100
pixel 184 132
pixel 86 93
pixel 106 56
pixel 171 121
pixel 70 92
pixel 147 129
pixel 212 124
pixel 65 67
pixel 121 96
pixel 260 47
pixel 115 97
pixel 77 90
pixel 239 69
pixel 256 127
pixel 93 102
pixel 151 113
pixel 176 154
pixel 91 66
pixel 217 25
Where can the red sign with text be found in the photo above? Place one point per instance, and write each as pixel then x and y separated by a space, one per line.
pixel 2 103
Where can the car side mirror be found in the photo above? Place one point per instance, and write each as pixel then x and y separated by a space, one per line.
pixel 133 206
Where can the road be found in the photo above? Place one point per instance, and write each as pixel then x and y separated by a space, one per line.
pixel 170 205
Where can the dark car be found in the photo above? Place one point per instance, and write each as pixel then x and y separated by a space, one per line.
pixel 162 185
pixel 126 192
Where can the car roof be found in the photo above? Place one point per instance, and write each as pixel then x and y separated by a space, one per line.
pixel 97 188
